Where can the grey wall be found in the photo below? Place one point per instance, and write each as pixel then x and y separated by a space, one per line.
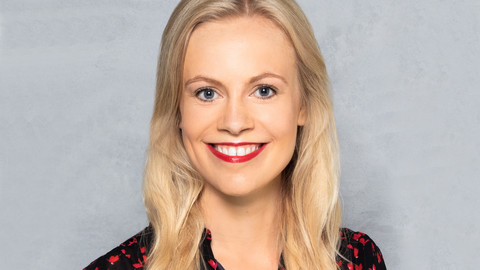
pixel 76 91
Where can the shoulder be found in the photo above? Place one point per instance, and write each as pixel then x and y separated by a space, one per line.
pixel 130 254
pixel 358 251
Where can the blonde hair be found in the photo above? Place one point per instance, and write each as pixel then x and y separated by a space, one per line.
pixel 172 187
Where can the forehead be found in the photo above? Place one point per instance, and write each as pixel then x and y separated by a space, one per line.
pixel 240 25
pixel 239 43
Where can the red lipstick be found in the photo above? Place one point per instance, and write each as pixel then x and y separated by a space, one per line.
pixel 235 159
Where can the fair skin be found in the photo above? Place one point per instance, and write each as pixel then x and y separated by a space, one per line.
pixel 240 111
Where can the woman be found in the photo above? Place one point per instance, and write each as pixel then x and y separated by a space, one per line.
pixel 242 170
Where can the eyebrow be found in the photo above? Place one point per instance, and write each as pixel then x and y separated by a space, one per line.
pixel 199 78
pixel 266 75
pixel 252 80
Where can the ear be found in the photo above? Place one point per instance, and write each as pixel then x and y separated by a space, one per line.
pixel 302 116
pixel 180 124
pixel 179 119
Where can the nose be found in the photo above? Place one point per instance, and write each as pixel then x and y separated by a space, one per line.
pixel 236 117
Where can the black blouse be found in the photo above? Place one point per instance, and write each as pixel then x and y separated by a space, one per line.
pixel 359 252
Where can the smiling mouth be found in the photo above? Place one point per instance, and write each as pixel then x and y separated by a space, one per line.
pixel 236 152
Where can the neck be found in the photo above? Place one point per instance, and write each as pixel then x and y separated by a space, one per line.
pixel 244 225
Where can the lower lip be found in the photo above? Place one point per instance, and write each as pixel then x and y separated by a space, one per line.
pixel 236 159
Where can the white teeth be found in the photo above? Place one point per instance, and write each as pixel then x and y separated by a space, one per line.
pixel 236 151
pixel 241 151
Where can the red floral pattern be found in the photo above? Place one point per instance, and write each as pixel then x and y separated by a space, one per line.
pixel 358 252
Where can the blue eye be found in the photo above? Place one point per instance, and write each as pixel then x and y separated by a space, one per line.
pixel 265 92
pixel 206 94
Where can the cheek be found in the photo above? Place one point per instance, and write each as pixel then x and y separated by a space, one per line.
pixel 191 120
pixel 281 121
pixel 187 127
pixel 190 130
pixel 196 122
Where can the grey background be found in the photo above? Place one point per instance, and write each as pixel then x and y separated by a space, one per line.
pixel 76 93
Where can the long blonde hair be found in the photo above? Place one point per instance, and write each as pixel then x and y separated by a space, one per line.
pixel 172 187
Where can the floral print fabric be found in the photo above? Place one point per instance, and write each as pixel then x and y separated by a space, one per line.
pixel 358 252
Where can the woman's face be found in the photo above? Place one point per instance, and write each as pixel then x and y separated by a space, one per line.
pixel 240 104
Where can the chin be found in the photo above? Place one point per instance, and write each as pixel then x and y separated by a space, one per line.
pixel 239 187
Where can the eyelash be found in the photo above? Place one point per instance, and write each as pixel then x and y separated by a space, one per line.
pixel 202 90
pixel 274 91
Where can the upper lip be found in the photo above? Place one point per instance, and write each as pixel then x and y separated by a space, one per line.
pixel 236 143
